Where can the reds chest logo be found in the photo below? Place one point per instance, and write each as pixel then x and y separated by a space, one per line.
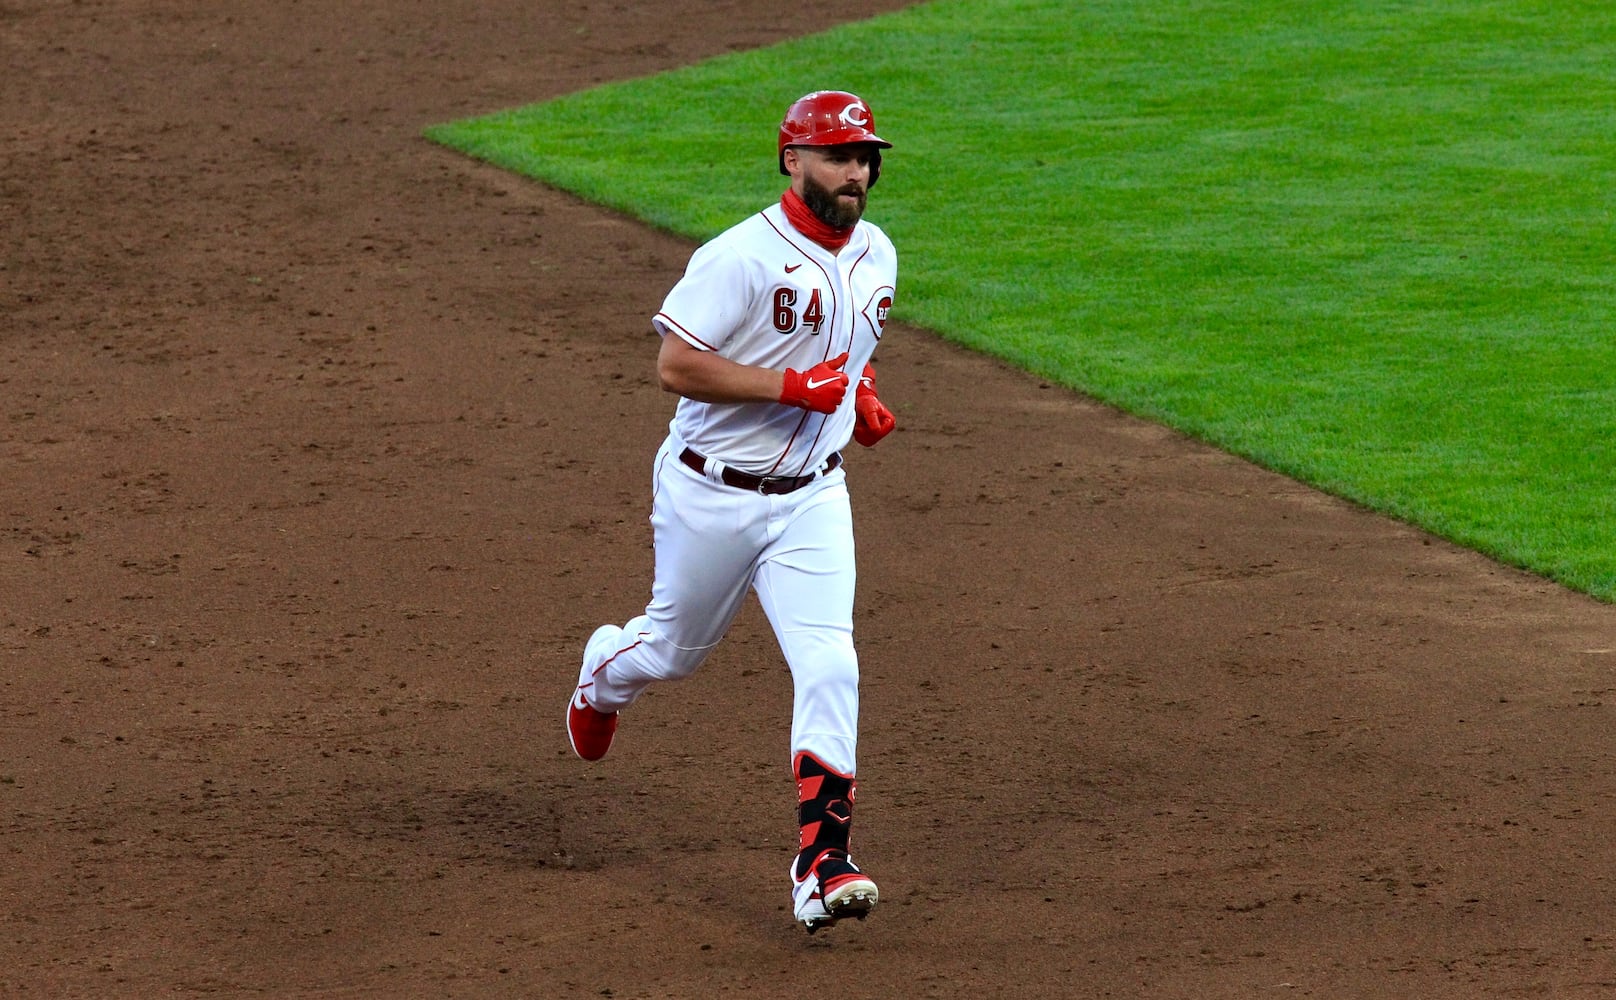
pixel 877 309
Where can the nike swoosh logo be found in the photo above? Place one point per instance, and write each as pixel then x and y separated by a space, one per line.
pixel 792 267
pixel 824 381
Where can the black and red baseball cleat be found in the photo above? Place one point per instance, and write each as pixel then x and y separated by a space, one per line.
pixel 832 889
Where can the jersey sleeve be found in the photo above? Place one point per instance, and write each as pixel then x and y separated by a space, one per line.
pixel 711 301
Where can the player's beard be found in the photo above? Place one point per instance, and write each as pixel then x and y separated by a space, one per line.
pixel 829 208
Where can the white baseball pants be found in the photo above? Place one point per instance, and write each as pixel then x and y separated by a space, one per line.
pixel 713 542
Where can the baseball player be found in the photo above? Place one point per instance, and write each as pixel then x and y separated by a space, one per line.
pixel 767 339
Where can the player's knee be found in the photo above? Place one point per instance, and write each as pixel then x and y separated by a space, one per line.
pixel 671 663
pixel 825 659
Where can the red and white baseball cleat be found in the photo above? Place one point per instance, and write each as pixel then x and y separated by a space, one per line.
pixel 590 731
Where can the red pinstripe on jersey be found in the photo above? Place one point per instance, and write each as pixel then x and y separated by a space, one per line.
pixel 684 332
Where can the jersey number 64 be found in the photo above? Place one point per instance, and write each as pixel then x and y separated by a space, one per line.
pixel 785 311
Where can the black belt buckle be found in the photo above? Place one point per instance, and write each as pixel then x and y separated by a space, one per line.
pixel 780 485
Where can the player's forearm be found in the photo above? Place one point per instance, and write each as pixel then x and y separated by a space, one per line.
pixel 709 378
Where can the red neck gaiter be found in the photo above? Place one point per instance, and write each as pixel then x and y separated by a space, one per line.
pixel 806 222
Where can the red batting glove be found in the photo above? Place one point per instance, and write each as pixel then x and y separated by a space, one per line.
pixel 872 420
pixel 820 388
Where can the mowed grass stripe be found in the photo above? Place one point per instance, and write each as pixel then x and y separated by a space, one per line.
pixel 1368 245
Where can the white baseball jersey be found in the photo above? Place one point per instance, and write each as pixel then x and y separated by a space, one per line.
pixel 763 294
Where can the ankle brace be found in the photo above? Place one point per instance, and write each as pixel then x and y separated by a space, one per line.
pixel 824 810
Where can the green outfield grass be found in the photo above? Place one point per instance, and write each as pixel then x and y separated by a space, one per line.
pixel 1367 244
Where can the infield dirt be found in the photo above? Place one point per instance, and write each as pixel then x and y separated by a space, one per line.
pixel 324 449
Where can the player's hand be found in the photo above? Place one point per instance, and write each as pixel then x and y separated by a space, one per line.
pixel 820 388
pixel 872 420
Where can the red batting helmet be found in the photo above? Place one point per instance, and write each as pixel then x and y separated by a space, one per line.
pixel 831 118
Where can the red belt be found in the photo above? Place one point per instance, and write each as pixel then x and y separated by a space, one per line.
pixel 767 485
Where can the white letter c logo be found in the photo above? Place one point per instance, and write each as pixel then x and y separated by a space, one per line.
pixel 855 115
